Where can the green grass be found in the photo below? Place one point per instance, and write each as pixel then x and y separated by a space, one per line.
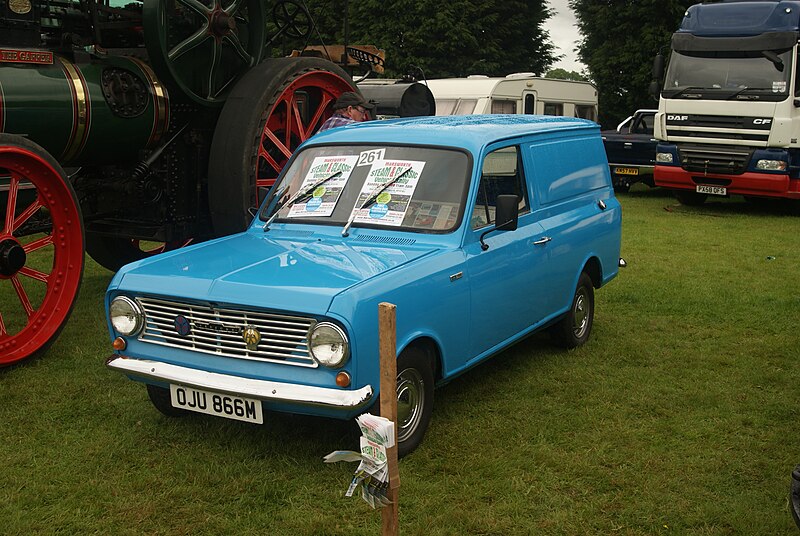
pixel 680 416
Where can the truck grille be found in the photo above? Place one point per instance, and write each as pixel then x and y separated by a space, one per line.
pixel 748 129
pixel 217 331
pixel 714 159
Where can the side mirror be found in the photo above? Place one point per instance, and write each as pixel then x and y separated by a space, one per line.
pixel 658 67
pixel 658 76
pixel 506 216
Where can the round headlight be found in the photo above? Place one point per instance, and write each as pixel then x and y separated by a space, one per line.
pixel 126 316
pixel 328 344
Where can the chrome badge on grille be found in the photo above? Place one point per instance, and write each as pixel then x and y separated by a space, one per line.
pixel 251 337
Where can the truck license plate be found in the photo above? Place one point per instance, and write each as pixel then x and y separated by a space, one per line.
pixel 713 190
pixel 228 406
pixel 626 171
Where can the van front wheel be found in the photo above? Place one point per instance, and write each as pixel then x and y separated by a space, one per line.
pixel 414 399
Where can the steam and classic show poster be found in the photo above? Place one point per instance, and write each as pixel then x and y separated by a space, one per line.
pixel 391 205
pixel 323 199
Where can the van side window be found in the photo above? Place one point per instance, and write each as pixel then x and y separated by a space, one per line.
pixel 553 108
pixel 502 174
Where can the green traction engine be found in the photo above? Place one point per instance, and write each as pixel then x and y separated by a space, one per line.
pixel 135 127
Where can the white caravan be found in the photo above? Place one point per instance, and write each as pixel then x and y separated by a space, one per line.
pixel 520 93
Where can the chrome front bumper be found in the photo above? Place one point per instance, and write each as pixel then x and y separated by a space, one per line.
pixel 288 393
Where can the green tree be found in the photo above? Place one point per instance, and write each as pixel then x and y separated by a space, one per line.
pixel 443 39
pixel 620 40
pixel 563 74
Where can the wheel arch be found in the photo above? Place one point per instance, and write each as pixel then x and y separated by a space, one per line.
pixel 431 348
pixel 594 268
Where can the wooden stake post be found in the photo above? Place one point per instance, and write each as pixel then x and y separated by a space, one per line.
pixel 388 361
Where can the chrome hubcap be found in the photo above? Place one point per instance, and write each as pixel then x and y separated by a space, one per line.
pixel 410 401
pixel 580 313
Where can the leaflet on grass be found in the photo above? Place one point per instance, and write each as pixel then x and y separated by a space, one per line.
pixel 324 198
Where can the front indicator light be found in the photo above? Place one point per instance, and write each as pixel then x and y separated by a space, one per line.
pixel 328 344
pixel 664 158
pixel 771 165
pixel 343 379
pixel 126 316
pixel 119 344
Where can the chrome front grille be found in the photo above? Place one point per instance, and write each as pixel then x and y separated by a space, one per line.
pixel 218 331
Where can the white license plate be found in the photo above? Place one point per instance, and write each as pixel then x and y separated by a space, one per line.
pixel 713 190
pixel 228 406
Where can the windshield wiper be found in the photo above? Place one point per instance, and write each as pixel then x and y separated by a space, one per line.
pixel 302 194
pixel 371 199
pixel 774 58
pixel 740 91
pixel 679 92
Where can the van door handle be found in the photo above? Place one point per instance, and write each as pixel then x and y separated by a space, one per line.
pixel 542 241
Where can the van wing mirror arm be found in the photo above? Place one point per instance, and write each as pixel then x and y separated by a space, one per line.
pixel 506 212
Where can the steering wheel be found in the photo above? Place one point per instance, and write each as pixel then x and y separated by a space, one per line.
pixel 293 19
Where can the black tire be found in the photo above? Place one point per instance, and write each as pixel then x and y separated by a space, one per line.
pixel 114 252
pixel 622 187
pixel 689 198
pixel 575 327
pixel 414 399
pixel 236 172
pixel 620 183
pixel 794 496
pixel 161 400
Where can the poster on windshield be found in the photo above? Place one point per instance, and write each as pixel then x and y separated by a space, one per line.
pixel 387 192
pixel 321 200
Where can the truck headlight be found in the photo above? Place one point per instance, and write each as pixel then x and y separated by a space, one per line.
pixel 664 158
pixel 771 165
pixel 126 315
pixel 328 344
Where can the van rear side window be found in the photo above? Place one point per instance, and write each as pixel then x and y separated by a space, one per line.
pixel 560 171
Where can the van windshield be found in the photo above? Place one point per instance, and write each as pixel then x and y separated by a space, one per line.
pixel 418 189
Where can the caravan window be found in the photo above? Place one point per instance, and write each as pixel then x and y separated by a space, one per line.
pixel 553 108
pixel 585 112
pixel 504 107
pixel 530 104
pixel 455 106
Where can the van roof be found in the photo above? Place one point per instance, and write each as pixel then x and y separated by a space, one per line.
pixel 468 131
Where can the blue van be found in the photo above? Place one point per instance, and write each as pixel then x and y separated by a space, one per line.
pixel 480 229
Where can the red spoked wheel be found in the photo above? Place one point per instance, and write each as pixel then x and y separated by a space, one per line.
pixel 41 249
pixel 273 109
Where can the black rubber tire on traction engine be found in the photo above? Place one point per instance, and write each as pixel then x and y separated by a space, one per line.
pixel 238 137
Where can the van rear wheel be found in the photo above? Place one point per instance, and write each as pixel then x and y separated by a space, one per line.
pixel 574 328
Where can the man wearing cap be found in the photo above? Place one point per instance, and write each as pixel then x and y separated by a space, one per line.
pixel 349 108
